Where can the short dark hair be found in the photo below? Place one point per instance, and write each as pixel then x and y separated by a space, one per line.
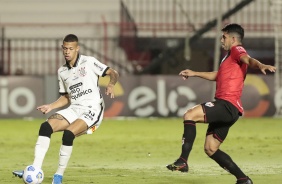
pixel 70 38
pixel 234 28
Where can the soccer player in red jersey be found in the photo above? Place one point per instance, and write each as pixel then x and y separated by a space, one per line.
pixel 222 113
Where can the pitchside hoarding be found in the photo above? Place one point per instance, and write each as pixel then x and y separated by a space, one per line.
pixel 19 96
pixel 171 96
pixel 139 96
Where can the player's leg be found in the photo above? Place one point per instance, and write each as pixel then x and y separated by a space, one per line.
pixel 70 115
pixel 212 145
pixel 193 115
pixel 67 143
pixel 220 118
pixel 53 124
pixel 66 148
pixel 86 119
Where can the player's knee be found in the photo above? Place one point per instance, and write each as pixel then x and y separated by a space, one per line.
pixel 210 150
pixel 68 138
pixel 189 115
pixel 45 129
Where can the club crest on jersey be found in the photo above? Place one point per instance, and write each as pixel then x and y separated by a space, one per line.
pixel 209 104
pixel 82 71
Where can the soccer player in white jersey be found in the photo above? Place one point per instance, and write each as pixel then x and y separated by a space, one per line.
pixel 80 93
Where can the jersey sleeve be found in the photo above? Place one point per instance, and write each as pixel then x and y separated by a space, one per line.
pixel 98 67
pixel 237 52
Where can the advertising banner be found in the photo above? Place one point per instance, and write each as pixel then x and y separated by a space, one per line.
pixel 171 96
pixel 19 96
pixel 139 96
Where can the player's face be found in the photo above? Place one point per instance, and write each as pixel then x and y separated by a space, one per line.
pixel 70 51
pixel 226 41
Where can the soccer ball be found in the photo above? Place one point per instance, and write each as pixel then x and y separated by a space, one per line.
pixel 33 175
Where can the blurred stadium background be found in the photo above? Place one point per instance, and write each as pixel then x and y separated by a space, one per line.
pixel 147 41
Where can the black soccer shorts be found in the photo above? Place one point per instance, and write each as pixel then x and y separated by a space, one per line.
pixel 220 115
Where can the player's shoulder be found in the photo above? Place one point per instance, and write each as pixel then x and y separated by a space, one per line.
pixel 84 58
pixel 89 60
pixel 238 49
pixel 62 68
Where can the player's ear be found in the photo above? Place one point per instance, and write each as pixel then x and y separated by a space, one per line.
pixel 77 48
pixel 234 39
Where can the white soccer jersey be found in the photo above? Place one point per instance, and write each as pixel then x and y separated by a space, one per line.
pixel 81 81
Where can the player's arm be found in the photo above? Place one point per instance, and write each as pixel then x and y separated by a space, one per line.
pixel 205 75
pixel 113 80
pixel 62 101
pixel 255 64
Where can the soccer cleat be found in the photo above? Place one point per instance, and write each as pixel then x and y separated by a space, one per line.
pixel 178 165
pixel 57 179
pixel 249 181
pixel 18 173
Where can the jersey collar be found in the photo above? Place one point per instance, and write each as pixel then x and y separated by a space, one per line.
pixel 225 57
pixel 75 64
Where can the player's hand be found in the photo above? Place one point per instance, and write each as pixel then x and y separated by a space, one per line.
pixel 110 90
pixel 44 108
pixel 186 74
pixel 270 68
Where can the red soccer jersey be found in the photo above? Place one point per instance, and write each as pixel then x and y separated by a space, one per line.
pixel 230 77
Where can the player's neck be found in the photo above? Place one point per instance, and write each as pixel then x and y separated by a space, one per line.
pixel 72 62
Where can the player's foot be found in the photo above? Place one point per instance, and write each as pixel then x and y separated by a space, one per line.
pixel 57 179
pixel 248 181
pixel 18 173
pixel 178 165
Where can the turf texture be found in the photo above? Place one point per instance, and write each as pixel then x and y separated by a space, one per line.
pixel 136 151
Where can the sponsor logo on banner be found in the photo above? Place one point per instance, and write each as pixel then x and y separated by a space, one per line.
pixel 19 96
pixel 164 96
pixel 144 101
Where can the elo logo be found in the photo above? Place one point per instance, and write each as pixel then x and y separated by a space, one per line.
pixel 145 100
pixel 160 97
pixel 142 98
pixel 9 99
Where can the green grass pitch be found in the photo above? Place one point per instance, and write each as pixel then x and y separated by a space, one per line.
pixel 136 151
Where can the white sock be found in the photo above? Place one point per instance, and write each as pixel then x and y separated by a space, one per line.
pixel 65 154
pixel 41 147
